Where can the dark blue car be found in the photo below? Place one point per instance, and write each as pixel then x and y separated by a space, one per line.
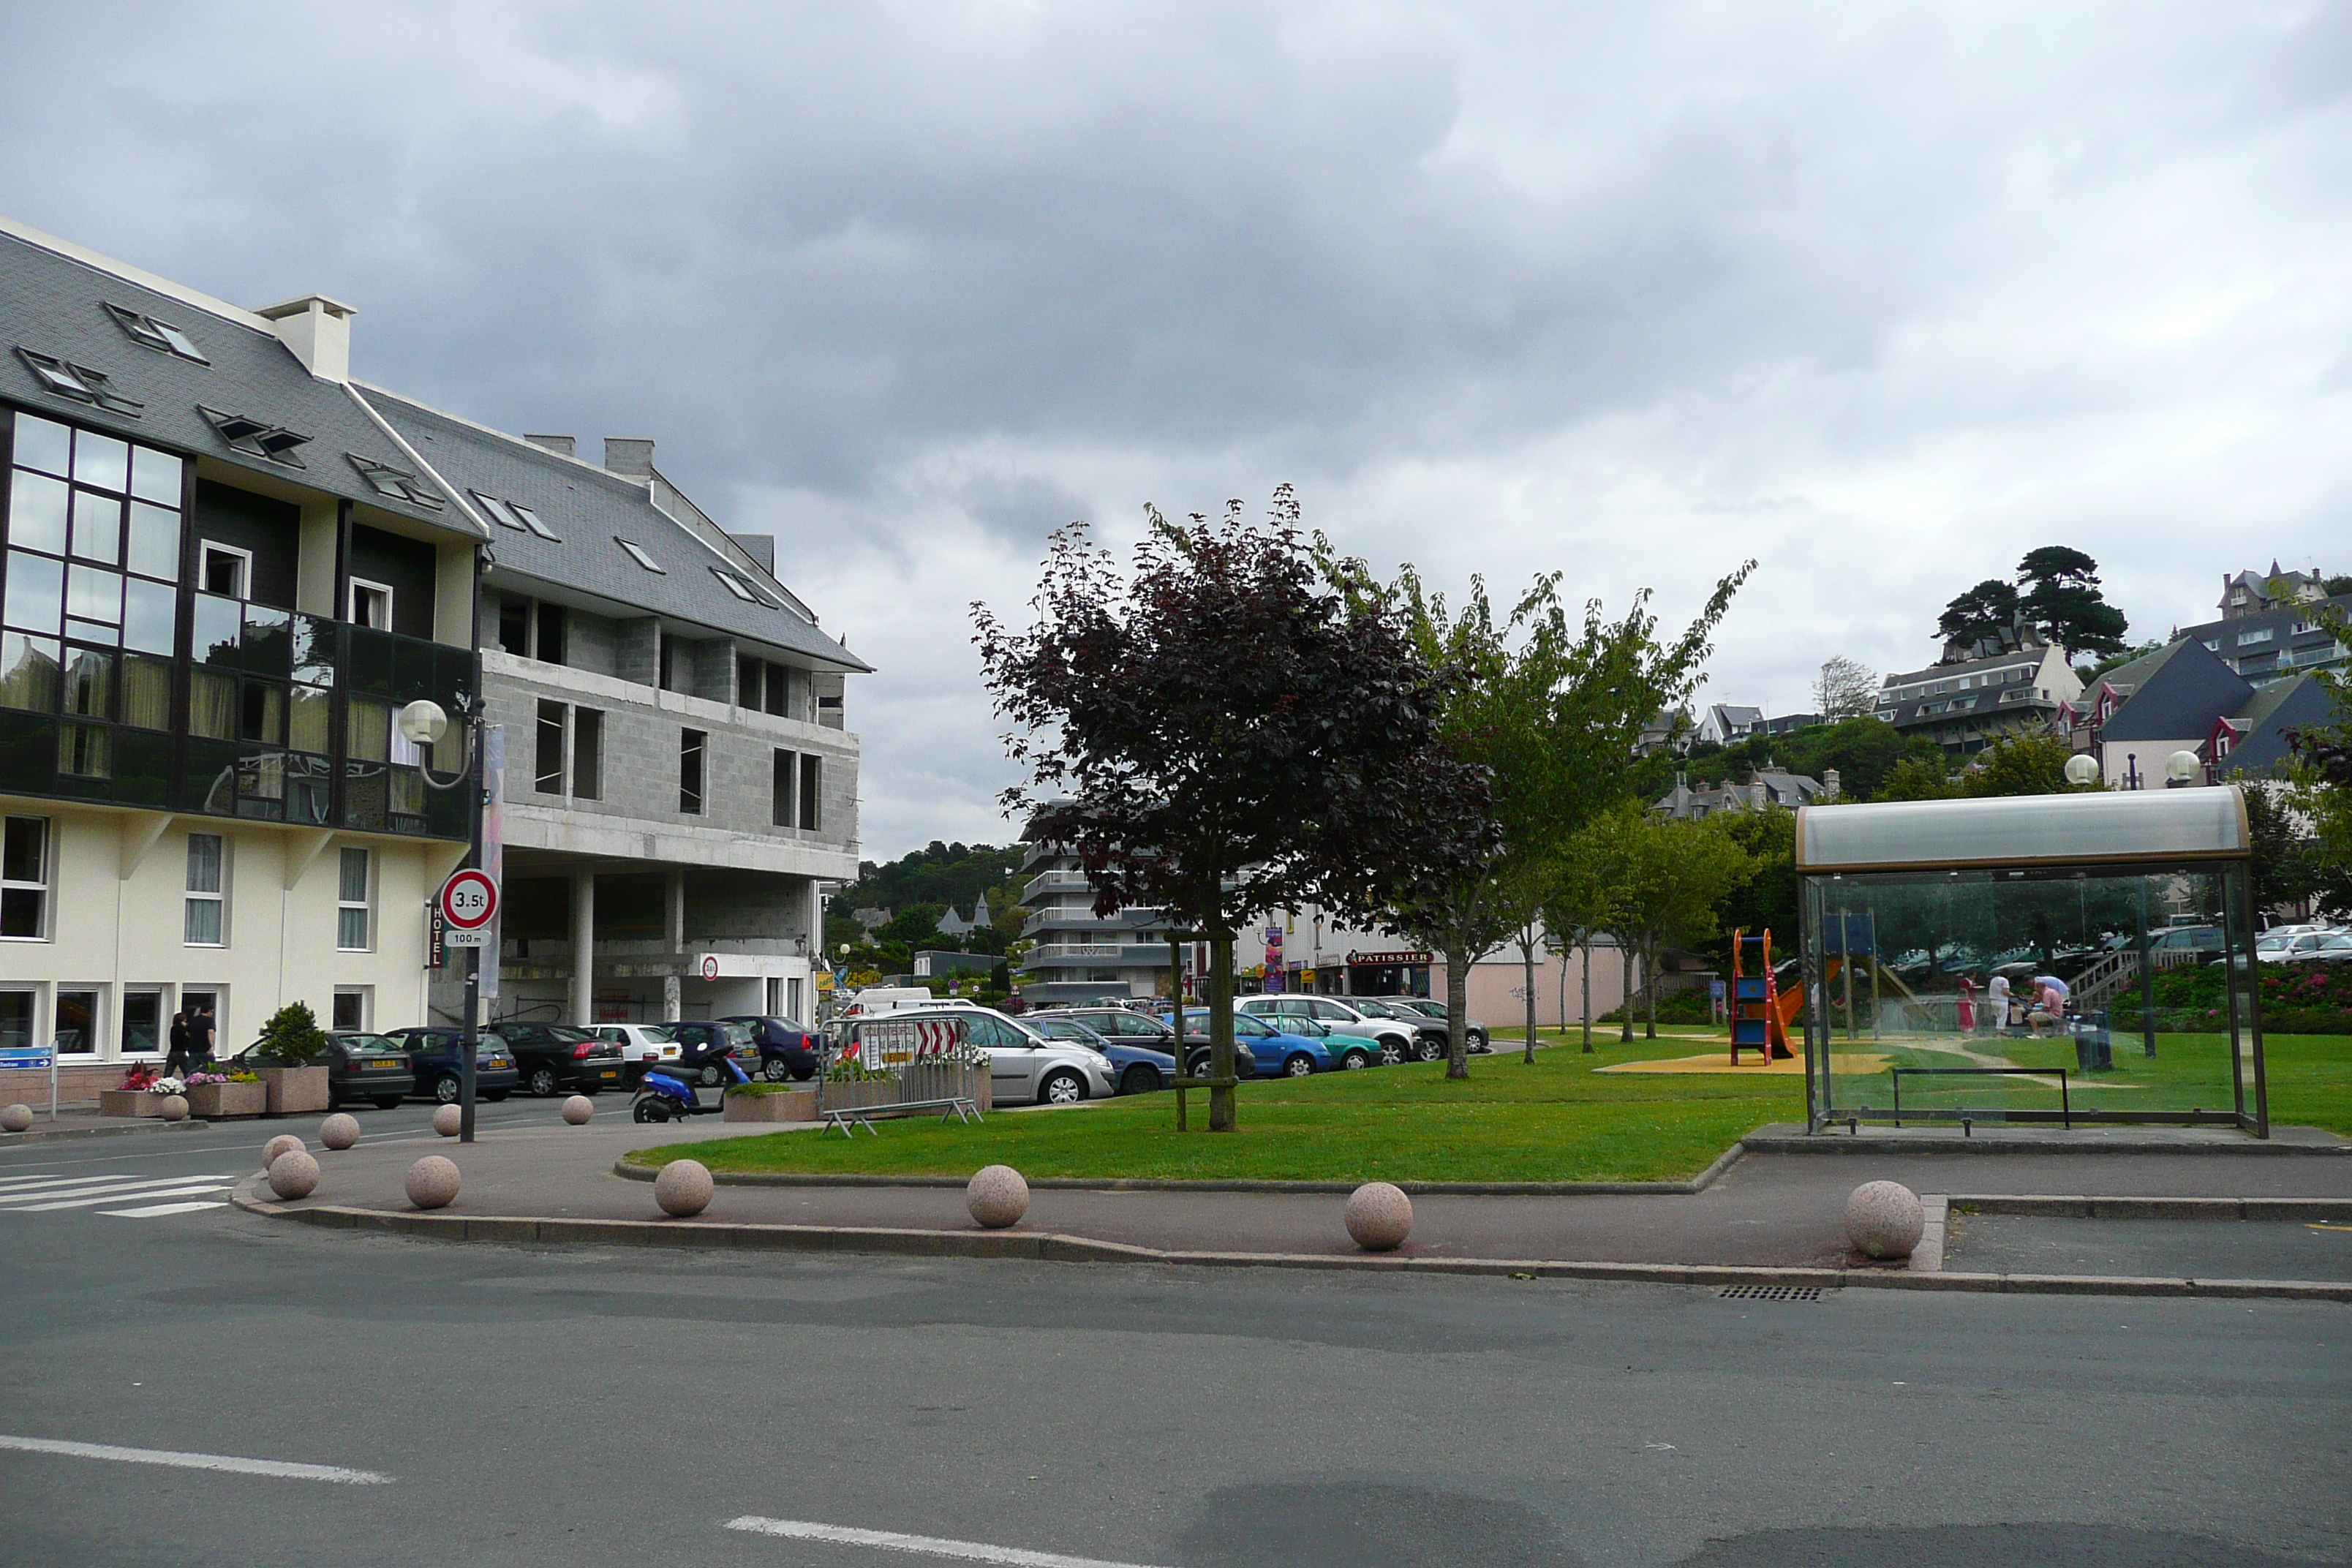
pixel 1135 1069
pixel 434 1053
pixel 1260 1049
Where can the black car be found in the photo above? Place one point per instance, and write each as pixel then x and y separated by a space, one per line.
pixel 786 1049
pixel 359 1067
pixel 434 1053
pixel 701 1042
pixel 552 1058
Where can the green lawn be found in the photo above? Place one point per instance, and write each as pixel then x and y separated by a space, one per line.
pixel 1557 1121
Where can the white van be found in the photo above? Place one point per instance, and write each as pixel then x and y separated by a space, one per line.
pixel 877 999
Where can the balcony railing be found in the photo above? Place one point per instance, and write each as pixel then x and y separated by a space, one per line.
pixel 1045 883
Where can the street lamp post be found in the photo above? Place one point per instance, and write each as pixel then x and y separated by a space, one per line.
pixel 423 724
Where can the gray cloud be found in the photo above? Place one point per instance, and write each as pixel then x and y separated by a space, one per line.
pixel 1883 296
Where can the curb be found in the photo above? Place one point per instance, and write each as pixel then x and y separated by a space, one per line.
pixel 74 1135
pixel 2299 1210
pixel 1050 1246
pixel 1698 1184
pixel 1798 1142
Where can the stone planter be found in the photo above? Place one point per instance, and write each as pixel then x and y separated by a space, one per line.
pixel 295 1089
pixel 214 1100
pixel 792 1105
pixel 129 1102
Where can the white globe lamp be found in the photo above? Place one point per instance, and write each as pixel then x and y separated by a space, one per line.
pixel 422 723
pixel 2083 769
pixel 2183 767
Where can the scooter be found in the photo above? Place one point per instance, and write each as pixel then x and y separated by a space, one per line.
pixel 665 1097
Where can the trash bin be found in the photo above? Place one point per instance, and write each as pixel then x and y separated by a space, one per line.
pixel 2093 1048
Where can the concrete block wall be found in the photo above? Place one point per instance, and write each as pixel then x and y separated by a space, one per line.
pixel 710 673
pixel 592 642
pixel 745 904
pixel 636 651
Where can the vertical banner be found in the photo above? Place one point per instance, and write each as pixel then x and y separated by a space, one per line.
pixel 494 800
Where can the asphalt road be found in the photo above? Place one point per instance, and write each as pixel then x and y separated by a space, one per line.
pixel 539 1406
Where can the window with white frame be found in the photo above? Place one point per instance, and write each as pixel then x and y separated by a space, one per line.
pixel 206 901
pixel 351 906
pixel 224 570
pixel 371 604
pixel 354 1004
pixel 24 879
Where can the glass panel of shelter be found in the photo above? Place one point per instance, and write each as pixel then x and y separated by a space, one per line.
pixel 1931 995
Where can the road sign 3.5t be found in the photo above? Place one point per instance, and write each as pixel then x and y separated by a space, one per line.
pixel 469 903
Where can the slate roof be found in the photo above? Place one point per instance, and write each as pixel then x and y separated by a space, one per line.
pixel 586 508
pixel 2269 713
pixel 1972 706
pixel 2178 691
pixel 53 299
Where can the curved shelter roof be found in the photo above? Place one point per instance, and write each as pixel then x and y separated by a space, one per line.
pixel 2101 828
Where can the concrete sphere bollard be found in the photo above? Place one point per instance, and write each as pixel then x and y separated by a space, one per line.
pixel 997 1196
pixel 175 1108
pixel 1883 1219
pixel 431 1183
pixel 340 1131
pixel 15 1118
pixel 684 1188
pixel 448 1120
pixel 1380 1216
pixel 284 1143
pixel 578 1109
pixel 293 1174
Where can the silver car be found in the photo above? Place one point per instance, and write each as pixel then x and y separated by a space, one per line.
pixel 1023 1066
pixel 1398 1041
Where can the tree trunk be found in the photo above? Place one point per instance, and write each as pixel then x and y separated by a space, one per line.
pixel 1650 988
pixel 1625 1008
pixel 1221 1032
pixel 1588 992
pixel 1528 968
pixel 1176 1016
pixel 1457 1006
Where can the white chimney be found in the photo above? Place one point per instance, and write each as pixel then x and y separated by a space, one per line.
pixel 319 331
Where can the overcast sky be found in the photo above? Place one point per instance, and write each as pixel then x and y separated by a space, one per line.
pixel 1883 296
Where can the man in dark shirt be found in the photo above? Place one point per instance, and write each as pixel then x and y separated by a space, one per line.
pixel 176 1061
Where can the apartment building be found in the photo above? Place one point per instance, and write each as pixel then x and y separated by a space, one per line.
pixel 1976 697
pixel 221 576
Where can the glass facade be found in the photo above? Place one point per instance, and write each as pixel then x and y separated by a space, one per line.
pixel 122 681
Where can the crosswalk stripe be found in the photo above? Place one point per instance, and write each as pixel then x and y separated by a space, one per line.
pixel 100 1186
pixel 179 1191
pixel 156 1211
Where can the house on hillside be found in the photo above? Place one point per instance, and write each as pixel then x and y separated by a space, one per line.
pixel 2185 698
pixel 2276 642
pixel 1723 723
pixel 1767 787
pixel 956 925
pixel 1984 692
pixel 2253 592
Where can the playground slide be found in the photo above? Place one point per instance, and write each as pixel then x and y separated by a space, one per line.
pixel 1792 1000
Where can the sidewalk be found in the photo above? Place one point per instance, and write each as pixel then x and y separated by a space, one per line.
pixel 1767 1211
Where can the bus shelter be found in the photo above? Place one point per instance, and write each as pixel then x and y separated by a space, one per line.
pixel 2073 959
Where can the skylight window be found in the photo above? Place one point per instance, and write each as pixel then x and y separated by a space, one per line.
pixel 156 334
pixel 637 554
pixel 397 483
pixel 78 382
pixel 515 515
pixel 255 438
pixel 737 587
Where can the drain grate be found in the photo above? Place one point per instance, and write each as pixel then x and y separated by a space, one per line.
pixel 1772 1293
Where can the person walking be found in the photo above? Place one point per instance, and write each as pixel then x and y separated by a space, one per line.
pixel 199 1038
pixel 175 1060
pixel 1997 1002
pixel 1968 1004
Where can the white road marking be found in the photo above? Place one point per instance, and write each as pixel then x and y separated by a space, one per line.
pixel 924 1545
pixel 156 1211
pixel 88 1201
pixel 93 1184
pixel 293 1472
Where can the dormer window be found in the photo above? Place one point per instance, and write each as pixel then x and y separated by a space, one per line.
pixel 398 484
pixel 255 438
pixel 636 554
pixel 78 382
pixel 161 336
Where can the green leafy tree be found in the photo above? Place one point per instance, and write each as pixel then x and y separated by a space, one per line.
pixel 2285 868
pixel 1985 610
pixel 2063 599
pixel 1917 778
pixel 2322 778
pixel 1765 898
pixel 1677 873
pixel 1581 897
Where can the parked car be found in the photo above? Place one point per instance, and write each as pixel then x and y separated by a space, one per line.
pixel 437 1055
pixel 1265 1046
pixel 2336 948
pixel 786 1049
pixel 887 999
pixel 359 1067
pixel 1025 1066
pixel 1476 1036
pixel 1409 1042
pixel 641 1046
pixel 553 1057
pixel 1114 1021
pixel 702 1043
pixel 2187 943
pixel 1134 1069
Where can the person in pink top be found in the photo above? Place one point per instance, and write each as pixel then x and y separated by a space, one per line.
pixel 2049 1006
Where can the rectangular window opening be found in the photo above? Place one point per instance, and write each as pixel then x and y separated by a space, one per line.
pixel 636 554
pixel 24 879
pixel 587 754
pixel 809 779
pixel 551 633
pixel 780 806
pixel 205 897
pixel 549 773
pixel 351 903
pixel 224 570
pixel 690 746
pixel 371 604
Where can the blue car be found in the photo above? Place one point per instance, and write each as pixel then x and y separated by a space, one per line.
pixel 1135 1069
pixel 436 1054
pixel 1260 1050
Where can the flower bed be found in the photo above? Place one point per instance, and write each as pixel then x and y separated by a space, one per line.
pixel 2297 999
